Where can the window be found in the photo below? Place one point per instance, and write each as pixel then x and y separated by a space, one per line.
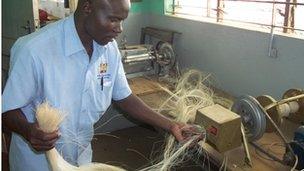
pixel 282 15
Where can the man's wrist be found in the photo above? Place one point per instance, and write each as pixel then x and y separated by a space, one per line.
pixel 25 129
pixel 172 126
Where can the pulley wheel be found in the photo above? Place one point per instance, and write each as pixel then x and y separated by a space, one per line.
pixel 253 117
pixel 166 54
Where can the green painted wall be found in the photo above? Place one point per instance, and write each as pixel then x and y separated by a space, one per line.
pixel 139 7
pixel 156 6
pixel 148 6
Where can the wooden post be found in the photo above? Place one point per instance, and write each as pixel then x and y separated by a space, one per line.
pixel 220 10
pixel 173 2
pixel 289 17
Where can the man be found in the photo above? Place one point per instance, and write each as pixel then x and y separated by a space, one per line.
pixel 75 65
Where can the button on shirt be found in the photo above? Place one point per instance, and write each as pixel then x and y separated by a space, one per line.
pixel 52 65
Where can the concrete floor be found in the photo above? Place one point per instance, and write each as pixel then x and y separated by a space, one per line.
pixel 131 148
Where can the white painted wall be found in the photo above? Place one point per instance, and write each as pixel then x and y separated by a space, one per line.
pixel 132 28
pixel 238 58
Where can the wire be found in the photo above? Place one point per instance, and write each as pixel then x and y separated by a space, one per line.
pixel 276 127
pixel 274 144
pixel 274 124
pixel 224 163
pixel 268 150
pixel 295 164
pixel 266 153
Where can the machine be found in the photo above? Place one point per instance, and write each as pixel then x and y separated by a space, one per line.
pixel 215 120
pixel 297 145
pixel 145 59
pixel 264 114
pixel 257 115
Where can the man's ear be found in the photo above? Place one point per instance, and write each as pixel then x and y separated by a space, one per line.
pixel 87 7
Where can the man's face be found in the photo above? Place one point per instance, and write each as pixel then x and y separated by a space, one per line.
pixel 104 22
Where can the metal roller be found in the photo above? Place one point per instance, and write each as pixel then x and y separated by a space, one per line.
pixel 145 59
pixel 137 58
pixel 297 116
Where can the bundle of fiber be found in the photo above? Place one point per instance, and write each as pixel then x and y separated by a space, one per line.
pixel 175 159
pixel 49 119
pixel 191 93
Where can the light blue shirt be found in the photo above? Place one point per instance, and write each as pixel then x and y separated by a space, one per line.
pixel 52 64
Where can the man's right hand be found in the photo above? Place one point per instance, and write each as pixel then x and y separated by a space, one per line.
pixel 39 140
pixel 15 120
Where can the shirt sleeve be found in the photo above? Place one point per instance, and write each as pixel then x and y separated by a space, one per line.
pixel 121 89
pixel 21 86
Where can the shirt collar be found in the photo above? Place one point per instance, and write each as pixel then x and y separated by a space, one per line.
pixel 72 41
pixel 100 48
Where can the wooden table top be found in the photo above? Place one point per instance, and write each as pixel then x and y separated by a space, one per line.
pixel 149 92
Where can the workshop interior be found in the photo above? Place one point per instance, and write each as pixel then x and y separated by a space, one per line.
pixel 253 52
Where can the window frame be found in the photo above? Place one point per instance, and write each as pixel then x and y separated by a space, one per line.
pixel 289 16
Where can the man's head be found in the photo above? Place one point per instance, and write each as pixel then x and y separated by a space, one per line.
pixel 102 19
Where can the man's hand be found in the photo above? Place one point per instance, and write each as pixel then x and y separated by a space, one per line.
pixel 139 110
pixel 39 140
pixel 184 132
pixel 15 120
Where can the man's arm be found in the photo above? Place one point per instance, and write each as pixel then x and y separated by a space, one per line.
pixel 15 121
pixel 139 110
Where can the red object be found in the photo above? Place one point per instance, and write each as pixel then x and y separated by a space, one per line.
pixel 213 130
pixel 43 15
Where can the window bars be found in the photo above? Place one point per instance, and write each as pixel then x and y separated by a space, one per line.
pixel 285 15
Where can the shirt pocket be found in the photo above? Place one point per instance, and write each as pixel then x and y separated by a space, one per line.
pixel 102 97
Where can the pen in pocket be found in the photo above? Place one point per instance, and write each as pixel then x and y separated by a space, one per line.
pixel 101 83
